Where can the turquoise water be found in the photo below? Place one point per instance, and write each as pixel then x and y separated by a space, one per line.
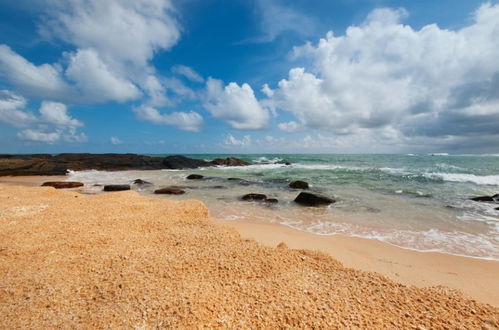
pixel 414 201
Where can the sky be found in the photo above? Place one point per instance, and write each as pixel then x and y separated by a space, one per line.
pixel 249 76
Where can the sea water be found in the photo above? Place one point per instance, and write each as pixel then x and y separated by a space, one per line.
pixel 419 202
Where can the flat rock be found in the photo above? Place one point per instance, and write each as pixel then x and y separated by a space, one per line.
pixel 62 184
pixel 116 187
pixel 298 184
pixel 194 177
pixel 486 198
pixel 254 197
pixel 309 199
pixel 234 179
pixel 170 191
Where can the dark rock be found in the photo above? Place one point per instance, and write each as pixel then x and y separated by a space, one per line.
pixel 497 208
pixel 284 163
pixel 169 191
pixel 254 197
pixel 62 184
pixel 194 177
pixel 483 199
pixel 230 161
pixel 140 181
pixel 181 162
pixel 309 199
pixel 116 187
pixel 272 200
pixel 234 179
pixel 299 184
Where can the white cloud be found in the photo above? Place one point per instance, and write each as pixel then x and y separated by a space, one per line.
pixel 188 121
pixel 39 81
pixel 96 81
pixel 231 141
pixel 236 105
pixel 429 82
pixel 12 110
pixel 56 114
pixel 289 127
pixel 114 140
pixel 187 72
pixel 38 136
pixel 125 31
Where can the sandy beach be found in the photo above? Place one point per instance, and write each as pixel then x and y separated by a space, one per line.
pixel 124 260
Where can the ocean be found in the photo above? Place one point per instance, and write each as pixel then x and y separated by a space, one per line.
pixel 419 202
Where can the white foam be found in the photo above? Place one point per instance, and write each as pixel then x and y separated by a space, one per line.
pixel 492 180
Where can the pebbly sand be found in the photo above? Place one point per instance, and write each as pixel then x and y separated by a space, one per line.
pixel 123 260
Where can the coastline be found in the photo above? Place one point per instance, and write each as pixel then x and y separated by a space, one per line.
pixel 477 278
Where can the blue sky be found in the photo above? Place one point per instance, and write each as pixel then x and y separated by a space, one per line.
pixel 262 76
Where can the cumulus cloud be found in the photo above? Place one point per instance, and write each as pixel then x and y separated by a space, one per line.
pixel 290 127
pixel 429 82
pixel 237 105
pixel 39 81
pixel 124 31
pixel 187 121
pixel 231 141
pixel 53 123
pixel 187 72
pixel 12 110
pixel 114 140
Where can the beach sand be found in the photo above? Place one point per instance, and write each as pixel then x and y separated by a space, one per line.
pixel 123 260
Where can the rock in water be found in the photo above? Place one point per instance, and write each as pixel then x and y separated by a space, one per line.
pixel 485 198
pixel 272 200
pixel 229 161
pixel 170 191
pixel 254 197
pixel 194 177
pixel 62 184
pixel 180 162
pixel 116 187
pixel 298 184
pixel 309 199
pixel 140 181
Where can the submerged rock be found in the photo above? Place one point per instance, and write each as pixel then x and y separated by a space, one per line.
pixel 271 200
pixel 494 198
pixel 254 197
pixel 298 184
pixel 169 191
pixel 235 179
pixel 116 187
pixel 229 161
pixel 62 184
pixel 194 177
pixel 309 199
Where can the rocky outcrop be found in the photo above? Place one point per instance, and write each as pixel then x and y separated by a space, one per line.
pixel 182 162
pixel 254 197
pixel 298 184
pixel 62 184
pixel 309 199
pixel 116 187
pixel 170 191
pixel 229 161
pixel 194 177
pixel 493 198
pixel 45 164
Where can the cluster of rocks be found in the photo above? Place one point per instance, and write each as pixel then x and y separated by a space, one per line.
pixel 46 164
pixel 487 199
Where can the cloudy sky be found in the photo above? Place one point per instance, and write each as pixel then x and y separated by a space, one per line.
pixel 249 76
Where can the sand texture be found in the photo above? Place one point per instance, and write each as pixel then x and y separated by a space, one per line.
pixel 120 260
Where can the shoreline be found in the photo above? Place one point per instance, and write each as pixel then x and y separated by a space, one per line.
pixel 477 278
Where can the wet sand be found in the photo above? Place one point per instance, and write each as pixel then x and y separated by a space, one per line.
pixel 124 260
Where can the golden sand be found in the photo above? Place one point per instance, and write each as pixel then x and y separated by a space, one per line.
pixel 122 260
